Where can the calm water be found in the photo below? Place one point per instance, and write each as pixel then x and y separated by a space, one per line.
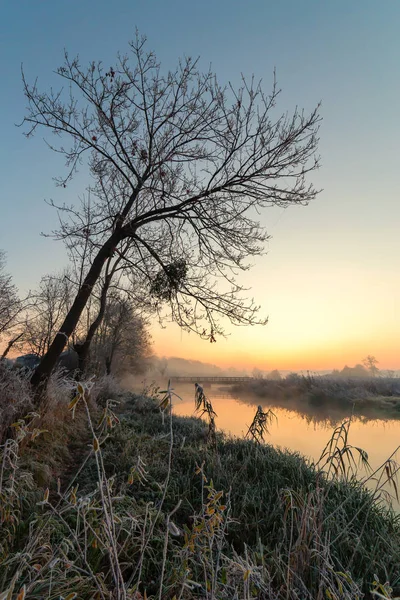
pixel 295 430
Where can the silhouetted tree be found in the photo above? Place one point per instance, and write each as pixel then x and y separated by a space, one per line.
pixel 180 168
pixel 96 311
pixel 122 342
pixel 275 375
pixel 257 373
pixel 10 304
pixel 370 363
pixel 162 366
pixel 50 303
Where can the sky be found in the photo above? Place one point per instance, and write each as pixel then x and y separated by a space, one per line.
pixel 329 282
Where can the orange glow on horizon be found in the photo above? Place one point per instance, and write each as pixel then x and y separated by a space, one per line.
pixel 241 353
pixel 322 317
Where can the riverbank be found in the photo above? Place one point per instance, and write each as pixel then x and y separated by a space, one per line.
pixel 145 506
pixel 327 398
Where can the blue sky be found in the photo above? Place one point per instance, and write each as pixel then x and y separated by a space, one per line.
pixel 333 267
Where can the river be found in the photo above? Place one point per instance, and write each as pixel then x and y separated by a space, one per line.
pixel 306 433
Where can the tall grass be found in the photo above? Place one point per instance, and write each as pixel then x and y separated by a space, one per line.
pixel 146 507
pixel 204 407
pixel 15 399
pixel 259 426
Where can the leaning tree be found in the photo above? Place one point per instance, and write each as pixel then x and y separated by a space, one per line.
pixel 180 168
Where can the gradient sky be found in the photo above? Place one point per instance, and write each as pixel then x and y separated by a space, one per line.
pixel 330 281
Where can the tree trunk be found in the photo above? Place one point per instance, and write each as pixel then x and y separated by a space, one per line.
pixel 43 370
pixel 83 349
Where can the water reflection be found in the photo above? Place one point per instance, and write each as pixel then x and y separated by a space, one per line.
pixel 298 427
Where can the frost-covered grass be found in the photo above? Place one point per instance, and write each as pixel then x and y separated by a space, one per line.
pixel 15 396
pixel 328 397
pixel 139 504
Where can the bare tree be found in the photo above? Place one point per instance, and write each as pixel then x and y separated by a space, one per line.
pixel 257 373
pixel 80 250
pixel 50 304
pixel 370 363
pixel 122 342
pixel 113 280
pixel 82 346
pixel 162 364
pixel 180 168
pixel 11 305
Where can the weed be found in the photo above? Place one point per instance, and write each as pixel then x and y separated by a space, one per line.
pixel 259 426
pixel 203 406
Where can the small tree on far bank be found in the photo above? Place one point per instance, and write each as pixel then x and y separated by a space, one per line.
pixel 275 375
pixel 257 373
pixel 370 363
pixel 181 167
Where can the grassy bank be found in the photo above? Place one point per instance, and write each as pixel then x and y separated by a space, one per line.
pixel 138 504
pixel 323 397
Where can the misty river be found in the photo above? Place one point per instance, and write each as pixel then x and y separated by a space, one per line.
pixel 305 433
